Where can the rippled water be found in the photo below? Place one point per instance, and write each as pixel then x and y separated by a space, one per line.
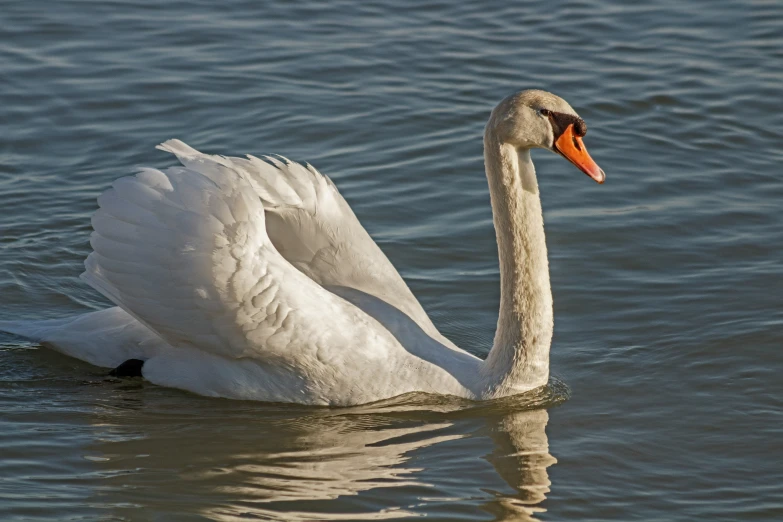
pixel 667 279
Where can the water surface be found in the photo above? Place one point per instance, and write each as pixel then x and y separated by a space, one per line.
pixel 668 315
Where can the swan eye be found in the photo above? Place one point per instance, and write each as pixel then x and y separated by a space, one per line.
pixel 545 112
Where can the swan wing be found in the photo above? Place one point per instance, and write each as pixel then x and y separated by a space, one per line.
pixel 314 229
pixel 186 252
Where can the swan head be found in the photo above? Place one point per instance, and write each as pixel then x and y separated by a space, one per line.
pixel 538 119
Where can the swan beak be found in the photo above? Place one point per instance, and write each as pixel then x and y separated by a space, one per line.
pixel 573 149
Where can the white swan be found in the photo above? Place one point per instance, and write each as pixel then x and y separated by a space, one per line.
pixel 253 279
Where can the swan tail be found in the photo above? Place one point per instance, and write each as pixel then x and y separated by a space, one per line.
pixel 33 330
pixel 103 338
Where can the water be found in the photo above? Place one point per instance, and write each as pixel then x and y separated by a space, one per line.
pixel 668 315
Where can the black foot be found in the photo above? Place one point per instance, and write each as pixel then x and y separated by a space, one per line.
pixel 130 368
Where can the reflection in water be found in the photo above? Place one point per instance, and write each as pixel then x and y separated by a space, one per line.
pixel 332 459
pixel 521 457
pixel 239 460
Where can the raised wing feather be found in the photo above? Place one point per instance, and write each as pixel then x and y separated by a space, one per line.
pixel 186 253
pixel 314 228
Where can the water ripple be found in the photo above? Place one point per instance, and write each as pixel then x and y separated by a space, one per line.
pixel 667 315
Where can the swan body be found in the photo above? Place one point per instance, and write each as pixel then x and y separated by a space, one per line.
pixel 251 278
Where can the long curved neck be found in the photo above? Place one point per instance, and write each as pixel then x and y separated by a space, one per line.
pixel 519 359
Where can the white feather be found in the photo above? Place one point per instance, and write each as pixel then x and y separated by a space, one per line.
pixel 186 251
pixel 253 279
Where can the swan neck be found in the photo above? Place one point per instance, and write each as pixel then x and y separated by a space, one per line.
pixel 519 358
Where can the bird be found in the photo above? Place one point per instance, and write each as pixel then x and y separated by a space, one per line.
pixel 251 278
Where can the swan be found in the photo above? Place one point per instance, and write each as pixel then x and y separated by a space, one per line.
pixel 251 278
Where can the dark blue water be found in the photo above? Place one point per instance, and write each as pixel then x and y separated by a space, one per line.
pixel 667 279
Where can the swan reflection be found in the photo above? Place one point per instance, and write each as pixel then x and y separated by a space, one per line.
pixel 229 461
pixel 521 457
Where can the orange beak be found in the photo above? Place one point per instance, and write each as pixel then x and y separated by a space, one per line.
pixel 570 145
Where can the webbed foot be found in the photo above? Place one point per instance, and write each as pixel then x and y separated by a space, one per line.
pixel 130 368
